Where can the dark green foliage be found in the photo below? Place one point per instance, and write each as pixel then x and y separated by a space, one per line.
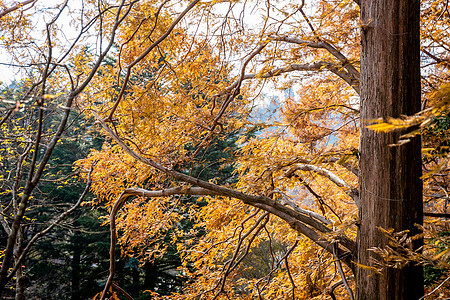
pixel 432 275
pixel 206 164
pixel 437 135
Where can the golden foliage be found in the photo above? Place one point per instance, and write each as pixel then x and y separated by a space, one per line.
pixel 180 96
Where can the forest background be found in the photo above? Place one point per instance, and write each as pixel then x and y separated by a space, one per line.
pixel 225 149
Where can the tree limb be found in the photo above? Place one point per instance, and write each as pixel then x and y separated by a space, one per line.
pixel 353 193
pixel 52 225
pixel 314 66
pixel 15 7
pixel 341 272
pixel 437 215
pixel 291 216
pixel 123 197
pixel 35 172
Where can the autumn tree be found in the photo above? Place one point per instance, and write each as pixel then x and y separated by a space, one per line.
pixel 37 109
pixel 334 205
pixel 301 168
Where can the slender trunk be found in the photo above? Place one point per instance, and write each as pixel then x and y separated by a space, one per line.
pixel 20 277
pixel 20 284
pixel 390 185
pixel 76 265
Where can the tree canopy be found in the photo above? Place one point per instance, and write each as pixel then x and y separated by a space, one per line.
pixel 233 133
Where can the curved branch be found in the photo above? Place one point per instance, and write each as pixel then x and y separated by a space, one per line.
pixel 52 225
pixel 321 45
pixel 36 172
pixel 287 200
pixel 343 60
pixel 353 193
pixel 16 7
pixel 297 220
pixel 217 189
pixel 230 97
pixel 123 197
pixel 341 272
pixel 314 66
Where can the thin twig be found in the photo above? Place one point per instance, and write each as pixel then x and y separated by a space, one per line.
pixel 341 272
pixel 438 287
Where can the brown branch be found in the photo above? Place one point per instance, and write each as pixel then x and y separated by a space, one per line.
pixel 437 215
pixel 314 66
pixel 344 62
pixel 260 223
pixel 353 193
pixel 58 220
pixel 7 115
pixel 341 272
pixel 289 202
pixel 128 296
pixel 230 97
pixel 290 277
pixel 217 189
pixel 330 290
pixel 127 193
pixel 274 268
pixel 156 15
pixel 15 7
pixel 35 175
pixel 296 219
pixel 312 234
pixel 437 59
pixel 319 198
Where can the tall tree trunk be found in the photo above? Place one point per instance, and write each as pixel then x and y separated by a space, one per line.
pixel 390 185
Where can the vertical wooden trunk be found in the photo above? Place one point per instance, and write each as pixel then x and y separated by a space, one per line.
pixel 390 185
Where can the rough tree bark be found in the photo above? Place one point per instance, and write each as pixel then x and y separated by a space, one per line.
pixel 390 185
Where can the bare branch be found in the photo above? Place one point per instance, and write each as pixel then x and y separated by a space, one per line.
pixel 16 7
pixel 275 267
pixel 314 66
pixel 58 220
pixel 353 193
pixel 344 62
pixel 341 272
pixel 232 263
pixel 437 215
pixel 437 288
